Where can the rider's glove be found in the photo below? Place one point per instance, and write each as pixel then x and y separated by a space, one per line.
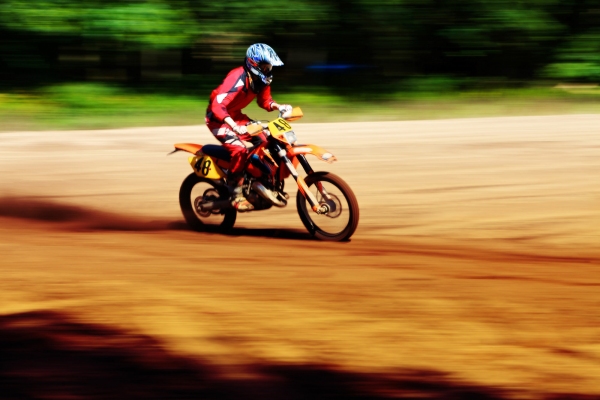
pixel 240 129
pixel 285 109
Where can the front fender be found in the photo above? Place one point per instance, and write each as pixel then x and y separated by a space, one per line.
pixel 315 150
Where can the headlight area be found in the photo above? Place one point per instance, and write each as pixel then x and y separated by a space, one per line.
pixel 290 137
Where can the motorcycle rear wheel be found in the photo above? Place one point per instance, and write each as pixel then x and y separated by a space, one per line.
pixel 194 190
pixel 338 225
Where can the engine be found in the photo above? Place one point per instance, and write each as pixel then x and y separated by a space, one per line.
pixel 258 202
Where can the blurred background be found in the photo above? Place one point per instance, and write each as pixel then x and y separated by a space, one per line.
pixel 70 63
pixel 475 270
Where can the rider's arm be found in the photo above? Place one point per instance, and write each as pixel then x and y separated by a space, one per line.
pixel 239 129
pixel 228 91
pixel 219 105
pixel 229 121
pixel 265 101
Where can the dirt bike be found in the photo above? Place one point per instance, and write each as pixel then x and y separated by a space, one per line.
pixel 326 204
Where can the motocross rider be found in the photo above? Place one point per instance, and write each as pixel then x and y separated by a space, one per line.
pixel 224 115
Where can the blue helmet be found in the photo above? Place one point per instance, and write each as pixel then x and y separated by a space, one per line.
pixel 260 59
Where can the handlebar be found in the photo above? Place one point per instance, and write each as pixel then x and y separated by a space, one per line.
pixel 258 127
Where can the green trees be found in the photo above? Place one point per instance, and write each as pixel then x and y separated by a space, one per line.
pixel 371 42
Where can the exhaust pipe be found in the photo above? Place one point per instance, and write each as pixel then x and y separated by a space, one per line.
pixel 215 205
pixel 268 195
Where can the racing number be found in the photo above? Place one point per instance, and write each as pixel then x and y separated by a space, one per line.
pixel 206 167
pixel 285 126
pixel 203 167
pixel 284 123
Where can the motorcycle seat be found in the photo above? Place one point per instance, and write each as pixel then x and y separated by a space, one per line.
pixel 214 150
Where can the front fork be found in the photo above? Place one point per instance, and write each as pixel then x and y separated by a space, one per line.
pixel 312 200
pixel 309 171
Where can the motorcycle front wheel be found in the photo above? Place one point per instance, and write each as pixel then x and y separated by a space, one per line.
pixel 195 190
pixel 341 221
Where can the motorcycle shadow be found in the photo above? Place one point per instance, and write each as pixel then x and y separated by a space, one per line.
pixel 84 219
pixel 275 233
pixel 272 233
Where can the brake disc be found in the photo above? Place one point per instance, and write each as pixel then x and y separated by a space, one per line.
pixel 333 204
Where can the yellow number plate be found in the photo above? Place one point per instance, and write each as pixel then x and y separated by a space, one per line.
pixel 279 126
pixel 205 166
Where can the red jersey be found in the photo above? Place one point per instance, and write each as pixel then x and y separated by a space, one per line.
pixel 233 95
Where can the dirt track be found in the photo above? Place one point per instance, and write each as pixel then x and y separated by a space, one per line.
pixel 475 269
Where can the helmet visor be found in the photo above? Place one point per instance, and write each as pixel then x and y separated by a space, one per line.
pixel 265 68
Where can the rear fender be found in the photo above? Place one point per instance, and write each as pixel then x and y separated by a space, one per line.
pixel 203 165
pixel 315 150
pixel 189 147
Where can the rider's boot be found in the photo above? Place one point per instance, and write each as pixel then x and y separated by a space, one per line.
pixel 239 202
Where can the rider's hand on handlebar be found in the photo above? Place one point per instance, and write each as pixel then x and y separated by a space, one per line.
pixel 240 129
pixel 285 110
